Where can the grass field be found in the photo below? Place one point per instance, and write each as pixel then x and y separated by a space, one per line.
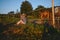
pixel 30 31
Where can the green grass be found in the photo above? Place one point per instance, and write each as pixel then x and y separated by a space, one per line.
pixel 23 32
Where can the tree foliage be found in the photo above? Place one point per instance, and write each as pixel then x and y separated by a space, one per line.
pixel 11 12
pixel 38 9
pixel 26 7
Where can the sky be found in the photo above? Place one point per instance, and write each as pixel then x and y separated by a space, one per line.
pixel 14 5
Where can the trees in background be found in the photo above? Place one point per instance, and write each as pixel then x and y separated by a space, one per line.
pixel 26 8
pixel 40 7
pixel 37 10
pixel 11 12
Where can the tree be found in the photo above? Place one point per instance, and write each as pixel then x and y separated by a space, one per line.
pixel 11 12
pixel 38 9
pixel 26 8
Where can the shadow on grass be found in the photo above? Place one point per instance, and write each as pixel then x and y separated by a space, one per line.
pixel 50 33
